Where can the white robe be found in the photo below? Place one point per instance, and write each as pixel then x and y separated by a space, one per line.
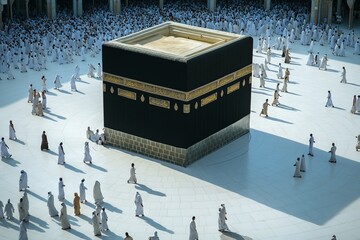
pixel 57 82
pixel 64 219
pixel 4 150
pixel 323 63
pixel 268 56
pixel 329 102
pixel 61 157
pixel 280 72
pixel 297 169
pixel 96 225
pixel 23 181
pixel 51 207
pixel 82 190
pixel 310 60
pixel 343 76
pixel 26 201
pixel 1 210
pixel 30 94
pixel 44 101
pixel 72 83
pixel 35 104
pixel 9 210
pixel 43 84
pixel 98 72
pixel 256 70
pixel 193 231
pixel 61 195
pixel 22 231
pixel 333 156
pixel 12 134
pixel 302 165
pixel 23 214
pixel 358 104
pixel 262 81
pixel 311 145
pixel 98 197
pixel 91 71
pixel 77 72
pixel 132 178
pixel 87 156
pixel 222 220
pixel 104 219
pixel 139 205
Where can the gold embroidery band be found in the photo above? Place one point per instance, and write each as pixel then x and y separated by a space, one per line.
pixel 208 99
pixel 104 87
pixel 126 94
pixel 176 94
pixel 159 102
pixel 233 88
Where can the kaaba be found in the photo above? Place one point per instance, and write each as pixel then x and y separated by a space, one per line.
pixel 176 92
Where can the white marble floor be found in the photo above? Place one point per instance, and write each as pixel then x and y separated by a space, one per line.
pixel 252 175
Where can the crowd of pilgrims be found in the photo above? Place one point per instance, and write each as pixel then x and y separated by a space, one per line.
pixel 30 44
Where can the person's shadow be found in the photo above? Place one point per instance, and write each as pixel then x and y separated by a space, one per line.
pixel 157 225
pixel 233 236
pixel 111 208
pixel 145 188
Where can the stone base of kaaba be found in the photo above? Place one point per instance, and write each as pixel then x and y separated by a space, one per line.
pixel 175 155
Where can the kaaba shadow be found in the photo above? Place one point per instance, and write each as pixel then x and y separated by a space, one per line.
pixel 72 168
pixel 36 195
pixel 157 225
pixel 145 188
pixel 38 221
pixel 278 120
pixel 78 234
pixel 12 162
pixel 233 236
pixel 241 161
pixel 111 208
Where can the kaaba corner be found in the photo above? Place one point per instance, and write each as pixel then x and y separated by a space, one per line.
pixel 176 92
